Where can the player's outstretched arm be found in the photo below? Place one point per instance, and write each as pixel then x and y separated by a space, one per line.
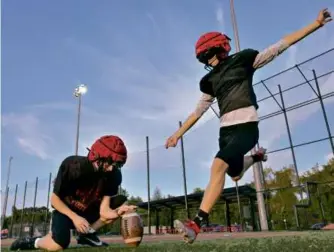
pixel 202 106
pixel 269 54
pixel 323 18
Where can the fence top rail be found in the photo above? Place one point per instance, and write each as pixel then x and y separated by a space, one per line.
pixel 292 67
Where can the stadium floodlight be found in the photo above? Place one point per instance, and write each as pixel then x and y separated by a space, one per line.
pixel 78 92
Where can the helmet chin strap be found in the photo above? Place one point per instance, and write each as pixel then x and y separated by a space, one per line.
pixel 208 68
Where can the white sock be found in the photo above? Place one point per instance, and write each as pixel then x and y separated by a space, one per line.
pixel 248 161
pixel 36 243
pixel 91 230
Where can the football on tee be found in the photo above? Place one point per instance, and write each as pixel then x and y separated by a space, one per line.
pixel 132 229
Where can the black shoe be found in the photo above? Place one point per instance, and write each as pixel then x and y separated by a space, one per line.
pixel 26 243
pixel 91 239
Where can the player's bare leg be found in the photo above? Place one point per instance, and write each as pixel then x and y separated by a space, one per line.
pixel 259 156
pixel 47 243
pixel 191 228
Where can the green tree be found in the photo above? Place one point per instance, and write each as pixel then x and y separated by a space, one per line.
pixel 198 190
pixel 157 195
pixel 135 200
pixel 322 196
pixel 281 201
pixel 124 192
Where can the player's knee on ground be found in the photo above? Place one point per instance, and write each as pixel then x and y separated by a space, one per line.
pixel 49 244
pixel 55 247
pixel 60 242
pixel 61 229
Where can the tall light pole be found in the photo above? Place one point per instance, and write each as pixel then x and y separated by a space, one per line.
pixel 257 167
pixel 235 26
pixel 4 209
pixel 78 92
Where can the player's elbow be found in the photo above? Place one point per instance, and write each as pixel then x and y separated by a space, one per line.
pixel 105 216
pixel 200 110
pixel 105 213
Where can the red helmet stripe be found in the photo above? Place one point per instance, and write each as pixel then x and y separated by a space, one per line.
pixel 211 40
pixel 108 147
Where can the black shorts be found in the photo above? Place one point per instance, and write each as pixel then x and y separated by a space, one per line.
pixel 61 225
pixel 234 143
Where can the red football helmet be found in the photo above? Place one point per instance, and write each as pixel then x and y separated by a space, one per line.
pixel 211 44
pixel 108 148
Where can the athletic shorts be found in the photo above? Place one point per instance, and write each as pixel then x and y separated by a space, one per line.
pixel 235 142
pixel 61 225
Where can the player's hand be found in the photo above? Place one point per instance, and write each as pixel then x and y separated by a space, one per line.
pixel 172 141
pixel 81 224
pixel 125 208
pixel 324 17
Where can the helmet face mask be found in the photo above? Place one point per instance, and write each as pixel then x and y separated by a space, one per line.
pixel 107 164
pixel 205 56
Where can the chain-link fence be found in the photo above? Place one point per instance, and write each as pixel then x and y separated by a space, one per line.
pixel 296 109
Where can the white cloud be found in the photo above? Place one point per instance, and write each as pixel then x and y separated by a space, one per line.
pixel 155 95
pixel 292 56
pixel 277 127
pixel 155 110
pixel 29 133
pixel 153 21
pixel 329 156
pixel 220 17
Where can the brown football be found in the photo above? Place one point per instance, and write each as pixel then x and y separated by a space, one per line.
pixel 132 229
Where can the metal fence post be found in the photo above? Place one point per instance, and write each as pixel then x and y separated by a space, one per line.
pixel 13 208
pixel 289 135
pixel 148 186
pixel 184 175
pixel 323 110
pixel 32 228
pixel 47 205
pixel 23 206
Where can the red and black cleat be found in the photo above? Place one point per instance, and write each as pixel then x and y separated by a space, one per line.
pixel 188 229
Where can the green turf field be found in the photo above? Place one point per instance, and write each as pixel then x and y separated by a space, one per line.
pixel 312 241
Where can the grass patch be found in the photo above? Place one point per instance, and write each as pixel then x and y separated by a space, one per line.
pixel 313 242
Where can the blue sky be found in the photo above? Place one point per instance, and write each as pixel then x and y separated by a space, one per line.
pixel 137 58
